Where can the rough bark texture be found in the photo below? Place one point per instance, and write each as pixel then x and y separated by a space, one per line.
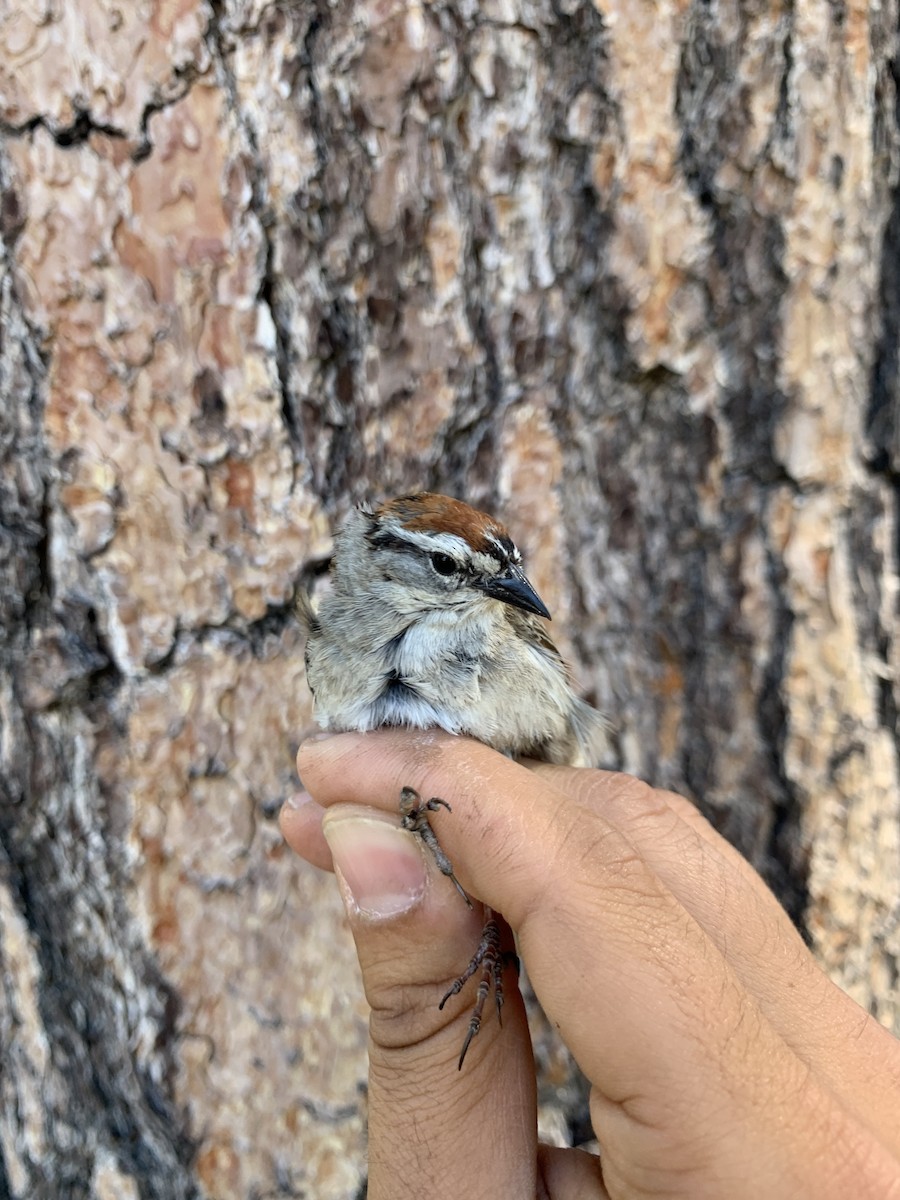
pixel 625 274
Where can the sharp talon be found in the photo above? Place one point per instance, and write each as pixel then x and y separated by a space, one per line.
pixel 454 991
pixel 466 1044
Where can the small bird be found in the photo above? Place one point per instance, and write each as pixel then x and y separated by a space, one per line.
pixel 431 622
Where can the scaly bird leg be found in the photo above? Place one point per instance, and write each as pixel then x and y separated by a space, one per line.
pixel 488 955
pixel 414 817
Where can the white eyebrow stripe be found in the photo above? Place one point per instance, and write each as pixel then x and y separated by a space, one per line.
pixel 449 543
pixel 513 555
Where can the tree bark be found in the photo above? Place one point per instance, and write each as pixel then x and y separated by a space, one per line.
pixel 625 275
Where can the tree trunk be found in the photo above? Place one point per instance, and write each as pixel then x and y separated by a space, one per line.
pixel 625 275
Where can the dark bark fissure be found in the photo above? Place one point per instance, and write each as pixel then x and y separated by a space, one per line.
pixel 765 822
pixel 327 418
pixel 268 292
pixel 113 1100
pixel 184 80
pixel 462 464
pixel 883 417
pixel 882 424
pixel 575 45
pixel 5 1192
pixel 69 894
pixel 80 129
pixel 84 125
pixel 784 862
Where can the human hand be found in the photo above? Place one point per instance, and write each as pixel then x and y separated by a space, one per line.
pixel 723 1063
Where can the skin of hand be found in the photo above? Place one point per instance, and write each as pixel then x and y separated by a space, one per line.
pixel 723 1062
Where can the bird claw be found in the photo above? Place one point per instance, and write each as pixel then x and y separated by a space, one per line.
pixel 414 817
pixel 488 955
pixel 490 959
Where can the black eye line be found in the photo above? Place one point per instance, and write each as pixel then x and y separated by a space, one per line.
pixel 385 540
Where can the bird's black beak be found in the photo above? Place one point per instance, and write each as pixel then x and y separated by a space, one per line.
pixel 513 588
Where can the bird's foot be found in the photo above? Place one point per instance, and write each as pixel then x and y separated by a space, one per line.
pixel 488 956
pixel 490 960
pixel 414 817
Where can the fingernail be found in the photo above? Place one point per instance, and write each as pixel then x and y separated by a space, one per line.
pixel 379 865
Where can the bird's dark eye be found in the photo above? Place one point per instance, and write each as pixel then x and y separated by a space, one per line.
pixel 443 563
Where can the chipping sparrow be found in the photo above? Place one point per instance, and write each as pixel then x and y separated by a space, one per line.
pixel 431 621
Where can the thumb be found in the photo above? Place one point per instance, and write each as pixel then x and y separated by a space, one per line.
pixel 432 1129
